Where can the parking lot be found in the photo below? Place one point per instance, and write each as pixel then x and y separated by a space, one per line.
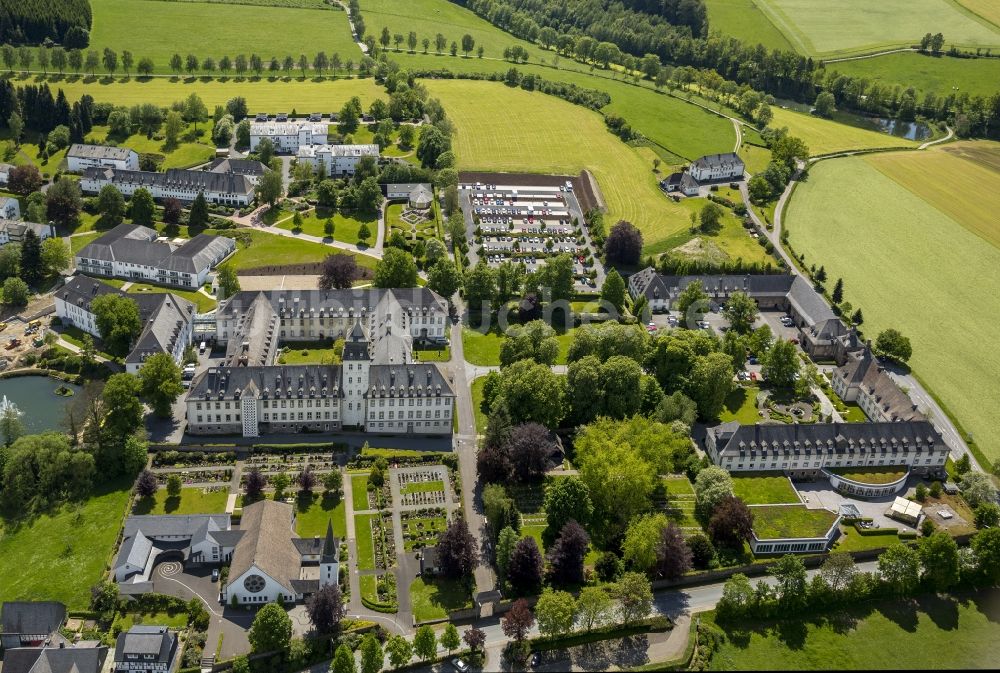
pixel 528 224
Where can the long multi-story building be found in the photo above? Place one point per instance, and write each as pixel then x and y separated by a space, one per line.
pixel 288 136
pixel 135 252
pixel 167 320
pixel 228 189
pixel 864 381
pixel 821 333
pixel 336 160
pixel 377 387
pixel 81 157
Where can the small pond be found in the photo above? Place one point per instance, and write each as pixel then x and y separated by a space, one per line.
pixel 894 127
pixel 35 396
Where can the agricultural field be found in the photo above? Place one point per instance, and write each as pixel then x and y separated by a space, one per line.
pixel 966 166
pixel 987 9
pixel 59 555
pixel 823 136
pixel 938 74
pixel 279 95
pixel 858 26
pixel 429 17
pixel 744 20
pixel 157 30
pixel 532 132
pixel 885 255
pixel 678 127
pixel 959 631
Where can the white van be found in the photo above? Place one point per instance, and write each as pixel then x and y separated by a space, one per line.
pixel 201 348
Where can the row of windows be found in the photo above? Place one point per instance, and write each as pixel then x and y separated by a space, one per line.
pixel 836 463
pixel 426 424
pixel 285 416
pixel 793 547
pixel 381 415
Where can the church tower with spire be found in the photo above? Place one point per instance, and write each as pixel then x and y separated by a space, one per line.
pixel 329 562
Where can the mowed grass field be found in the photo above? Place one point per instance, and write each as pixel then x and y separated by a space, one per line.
pixel 744 20
pixel 155 29
pixel 531 132
pixel 938 74
pixel 430 17
pixel 823 136
pixel 58 556
pixel 859 26
pixel 262 95
pixel 951 178
pixel 681 128
pixel 930 633
pixel 987 9
pixel 912 267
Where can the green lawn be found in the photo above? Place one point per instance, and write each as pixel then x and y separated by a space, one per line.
pixel 314 512
pixel 929 633
pixel 203 302
pixel 764 489
pixel 321 352
pixel 190 501
pixel 184 155
pixel 366 547
pixel 432 354
pixel 159 29
pixel 859 26
pixel 941 75
pixel 479 405
pixel 678 485
pixel 535 531
pixel 176 620
pixel 743 20
pixel 264 95
pixel 359 491
pixel 482 349
pixel 58 556
pixel 530 131
pixel 871 475
pixel 369 587
pixel 422 487
pixel 271 249
pixel 434 598
pixel 851 540
pixel 781 521
pixel 880 268
pixel 345 227
pixel 78 243
pixel 741 406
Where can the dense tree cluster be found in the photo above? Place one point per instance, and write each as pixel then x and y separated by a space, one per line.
pixel 34 21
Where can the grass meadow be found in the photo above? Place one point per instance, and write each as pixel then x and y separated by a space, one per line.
pixel 941 75
pixel 860 26
pixel 429 17
pixel 59 555
pixel 265 95
pixel 531 132
pixel 765 489
pixel 744 20
pixel 931 633
pixel 269 249
pixel 823 136
pixel 681 128
pixel 912 267
pixel 190 501
pixel 157 30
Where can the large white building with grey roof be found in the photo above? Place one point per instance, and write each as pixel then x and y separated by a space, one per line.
pixel 137 253
pixel 227 189
pixel 167 320
pixel 80 157
pixel 715 167
pixel 288 136
pixel 378 386
pixel 336 160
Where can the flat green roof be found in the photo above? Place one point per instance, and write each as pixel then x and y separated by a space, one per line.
pixel 777 522
pixel 871 475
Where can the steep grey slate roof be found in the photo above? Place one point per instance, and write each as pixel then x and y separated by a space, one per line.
pixel 865 372
pixel 718 161
pixel 126 242
pixel 146 641
pixel 164 317
pixel 16 228
pixel 175 178
pixel 82 151
pixel 32 617
pixel 198 253
pixel 809 302
pixel 238 166
pixel 334 302
pixel 829 437
pixel 267 543
pixel 54 659
pixel 416 379
pixel 277 381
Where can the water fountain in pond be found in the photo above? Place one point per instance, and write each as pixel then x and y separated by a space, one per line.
pixel 6 405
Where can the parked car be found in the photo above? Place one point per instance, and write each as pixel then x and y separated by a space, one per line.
pixel 459 665
pixel 260 117
pixel 215 574
pixel 536 659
